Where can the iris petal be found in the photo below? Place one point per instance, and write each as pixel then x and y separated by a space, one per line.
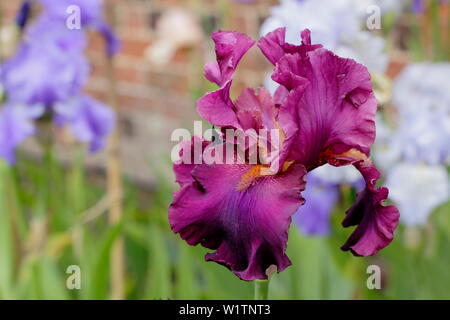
pixel 247 227
pixel 217 107
pixel 375 221
pixel 336 110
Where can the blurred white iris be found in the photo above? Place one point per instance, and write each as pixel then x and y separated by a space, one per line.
pixel 338 25
pixel 414 154
pixel 417 189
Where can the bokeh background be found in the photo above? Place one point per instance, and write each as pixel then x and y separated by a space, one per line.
pixel 54 205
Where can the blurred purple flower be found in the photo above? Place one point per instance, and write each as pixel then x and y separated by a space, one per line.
pixel 23 14
pixel 417 6
pixel 91 17
pixel 313 218
pixel 50 70
pixel 89 120
pixel 15 126
pixel 323 191
pixel 90 10
pixel 44 72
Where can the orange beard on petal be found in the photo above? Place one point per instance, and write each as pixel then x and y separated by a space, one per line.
pixel 257 171
pixel 349 156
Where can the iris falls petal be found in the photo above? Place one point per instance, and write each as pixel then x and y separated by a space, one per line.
pixel 246 224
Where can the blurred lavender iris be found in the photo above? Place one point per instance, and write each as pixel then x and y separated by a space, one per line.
pixel 89 120
pixel 320 198
pixel 323 193
pixel 15 126
pixel 50 70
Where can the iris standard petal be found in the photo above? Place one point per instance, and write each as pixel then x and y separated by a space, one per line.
pixel 243 216
pixel 230 48
pixel 336 110
pixel 274 45
pixel 216 106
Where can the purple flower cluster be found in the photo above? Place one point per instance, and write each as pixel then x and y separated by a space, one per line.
pixel 48 73
pixel 324 110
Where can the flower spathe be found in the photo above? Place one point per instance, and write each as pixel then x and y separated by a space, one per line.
pixel 324 110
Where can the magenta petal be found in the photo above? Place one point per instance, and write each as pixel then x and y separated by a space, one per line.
pixel 337 108
pixel 191 153
pixel 376 222
pixel 230 47
pixel 247 227
pixel 217 108
pixel 274 45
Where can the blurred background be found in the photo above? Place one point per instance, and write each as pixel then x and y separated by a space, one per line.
pixel 106 212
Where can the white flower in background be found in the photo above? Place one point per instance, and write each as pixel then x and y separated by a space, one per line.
pixel 422 97
pixel 387 147
pixel 338 25
pixel 423 88
pixel 347 174
pixel 394 6
pixel 417 189
pixel 413 155
pixel 176 29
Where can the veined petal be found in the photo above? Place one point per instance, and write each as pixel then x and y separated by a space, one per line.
pixel 217 107
pixel 243 216
pixel 337 108
pixel 191 153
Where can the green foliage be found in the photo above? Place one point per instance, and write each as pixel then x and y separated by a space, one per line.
pixel 44 229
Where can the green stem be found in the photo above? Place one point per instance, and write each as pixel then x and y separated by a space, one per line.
pixel 261 289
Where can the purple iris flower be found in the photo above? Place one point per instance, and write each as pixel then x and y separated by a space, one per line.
pixel 16 124
pixel 324 111
pixel 50 70
pixel 23 14
pixel 44 71
pixel 89 120
pixel 417 6
pixel 91 12
pixel 313 217
pixel 323 191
